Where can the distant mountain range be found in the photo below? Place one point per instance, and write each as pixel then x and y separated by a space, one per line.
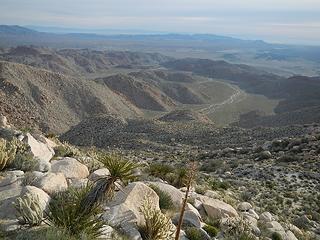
pixel 281 59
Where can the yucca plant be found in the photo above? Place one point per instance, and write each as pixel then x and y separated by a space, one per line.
pixel 157 226
pixel 7 152
pixel 66 213
pixel 121 170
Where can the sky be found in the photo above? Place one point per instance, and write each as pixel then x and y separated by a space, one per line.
pixel 283 21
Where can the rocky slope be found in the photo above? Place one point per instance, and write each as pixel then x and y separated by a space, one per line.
pixel 36 97
pixel 79 61
pixel 257 190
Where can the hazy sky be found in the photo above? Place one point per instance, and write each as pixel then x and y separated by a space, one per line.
pixel 295 21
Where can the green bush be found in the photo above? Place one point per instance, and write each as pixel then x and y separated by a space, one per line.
pixel 212 231
pixel 194 233
pixel 66 150
pixel 160 170
pixel 215 222
pixel 24 162
pixel 67 213
pixel 276 236
pixel 165 200
pixel 48 233
pixel 216 185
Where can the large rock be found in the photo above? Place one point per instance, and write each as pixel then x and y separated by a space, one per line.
pixel 266 217
pixel 290 236
pixel 275 227
pixel 43 197
pixel 40 151
pixel 8 194
pixel 70 167
pixel 103 172
pixel 244 206
pixel 190 219
pixel 216 208
pixel 125 208
pixel 52 183
pixel 175 194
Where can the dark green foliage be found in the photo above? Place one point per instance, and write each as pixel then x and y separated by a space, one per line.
pixel 175 176
pixel 165 200
pixel 276 236
pixel 194 233
pixel 289 158
pixel 212 231
pixel 160 170
pixel 66 213
pixel 24 161
pixel 215 222
pixel 216 185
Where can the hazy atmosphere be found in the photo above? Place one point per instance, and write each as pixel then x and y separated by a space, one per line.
pixel 284 21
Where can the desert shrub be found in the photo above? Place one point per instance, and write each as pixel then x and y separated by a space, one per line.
pixel 288 158
pixel 157 226
pixel 29 210
pixel 48 233
pixel 165 200
pixel 216 185
pixel 211 230
pixel 160 170
pixel 66 150
pixel 67 214
pixel 215 222
pixel 175 176
pixel 276 236
pixel 7 152
pixel 24 161
pixel 236 228
pixel 29 178
pixel 194 233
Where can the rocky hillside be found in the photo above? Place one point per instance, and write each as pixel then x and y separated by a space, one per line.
pixel 262 191
pixel 36 97
pixel 78 61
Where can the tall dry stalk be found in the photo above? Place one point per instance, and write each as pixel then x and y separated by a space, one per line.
pixel 190 178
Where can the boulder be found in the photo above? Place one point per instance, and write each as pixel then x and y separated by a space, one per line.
pixel 40 151
pixel 77 183
pixel 175 194
pixel 266 217
pixel 190 219
pixel 98 174
pixel 70 167
pixel 4 122
pixel 216 208
pixel 189 207
pixel 10 177
pixel 125 209
pixel 8 194
pixel 52 183
pixel 290 236
pixel 212 194
pixel 44 198
pixel 274 227
pixel 265 155
pixel 244 206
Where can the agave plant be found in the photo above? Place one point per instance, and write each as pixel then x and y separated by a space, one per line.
pixel 120 171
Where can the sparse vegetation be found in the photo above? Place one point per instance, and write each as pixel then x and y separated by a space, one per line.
pixel 165 200
pixel 211 230
pixel 29 210
pixel 121 170
pixel 7 152
pixel 66 213
pixel 194 233
pixel 157 226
